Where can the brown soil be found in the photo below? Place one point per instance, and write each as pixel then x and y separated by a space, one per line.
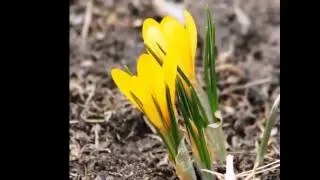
pixel 110 140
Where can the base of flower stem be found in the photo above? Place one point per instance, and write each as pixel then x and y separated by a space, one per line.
pixel 216 142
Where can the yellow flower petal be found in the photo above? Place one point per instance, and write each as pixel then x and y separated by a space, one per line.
pixel 170 72
pixel 151 73
pixel 150 109
pixel 192 32
pixel 178 43
pixel 174 34
pixel 147 67
pixel 124 82
pixel 153 37
pixel 152 83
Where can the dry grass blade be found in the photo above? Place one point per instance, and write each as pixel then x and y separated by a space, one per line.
pixel 219 175
pixel 261 171
pixel 83 115
pixel 245 86
pixel 73 121
pixel 230 173
pixel 86 24
pixel 242 17
pixel 94 120
pixel 96 130
pixel 260 168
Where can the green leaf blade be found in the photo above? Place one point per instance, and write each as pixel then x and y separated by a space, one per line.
pixel 210 60
pixel 174 124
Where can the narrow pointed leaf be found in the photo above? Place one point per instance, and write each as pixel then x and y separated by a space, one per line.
pixel 171 141
pixel 267 131
pixel 207 66
pixel 210 61
pixel 153 54
pixel 190 131
pixel 137 100
pixel 160 113
pixel 174 125
pixel 184 109
pixel 128 70
pixel 197 101
pixel 162 50
pixel 184 77
pixel 183 96
pixel 196 118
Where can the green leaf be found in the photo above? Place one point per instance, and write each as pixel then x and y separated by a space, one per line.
pixel 197 118
pixel 183 106
pixel 170 141
pixel 183 96
pixel 191 106
pixel 126 68
pixel 197 101
pixel 162 50
pixel 174 124
pixel 265 138
pixel 183 76
pixel 210 72
pixel 207 67
pixel 160 113
pixel 154 55
pixel 137 100
pixel 267 131
pixel 204 150
pixel 187 104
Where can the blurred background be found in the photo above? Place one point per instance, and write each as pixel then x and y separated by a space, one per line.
pixel 109 139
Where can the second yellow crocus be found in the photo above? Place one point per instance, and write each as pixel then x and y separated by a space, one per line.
pixel 171 36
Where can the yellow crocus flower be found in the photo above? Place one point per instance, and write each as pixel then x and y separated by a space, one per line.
pixel 171 36
pixel 148 85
